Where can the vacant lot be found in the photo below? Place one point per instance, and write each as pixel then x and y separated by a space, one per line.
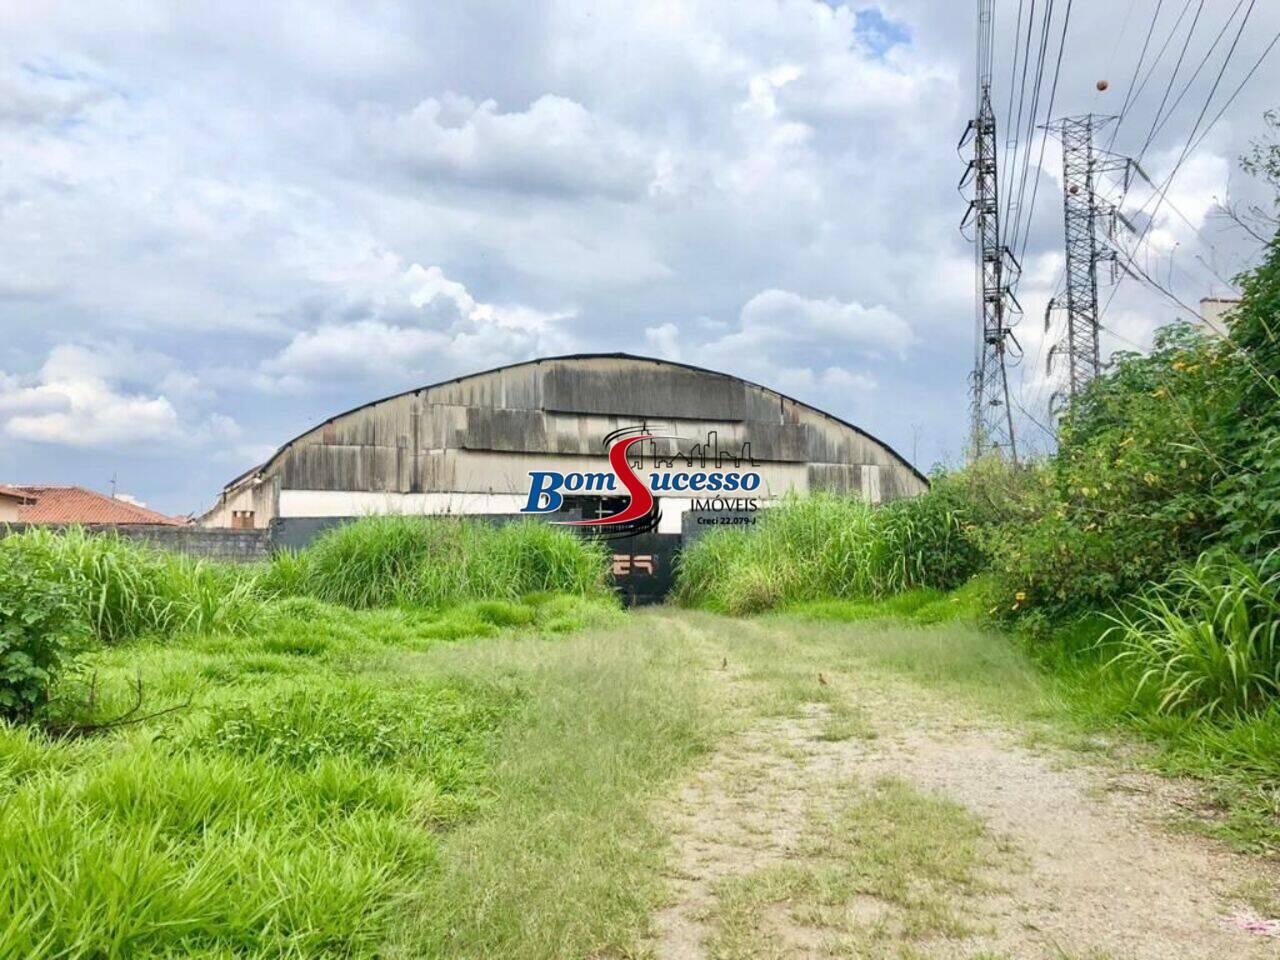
pixel 661 783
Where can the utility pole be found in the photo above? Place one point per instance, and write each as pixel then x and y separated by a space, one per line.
pixel 1089 222
pixel 991 415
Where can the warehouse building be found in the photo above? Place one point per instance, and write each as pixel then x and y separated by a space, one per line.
pixel 468 446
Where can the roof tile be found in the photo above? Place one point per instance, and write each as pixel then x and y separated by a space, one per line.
pixel 78 505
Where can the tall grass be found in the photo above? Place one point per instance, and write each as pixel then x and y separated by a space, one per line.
pixel 126 590
pixel 827 546
pixel 434 561
pixel 283 794
pixel 288 817
pixel 1207 641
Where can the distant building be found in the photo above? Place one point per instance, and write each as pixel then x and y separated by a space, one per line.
pixel 710 451
pixel 467 446
pixel 10 502
pixel 66 504
pixel 1216 311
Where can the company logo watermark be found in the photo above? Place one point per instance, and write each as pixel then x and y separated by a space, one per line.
pixel 711 477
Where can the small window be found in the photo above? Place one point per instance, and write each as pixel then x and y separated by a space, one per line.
pixel 242 519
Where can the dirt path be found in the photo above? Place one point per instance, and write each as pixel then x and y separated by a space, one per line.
pixel 1078 860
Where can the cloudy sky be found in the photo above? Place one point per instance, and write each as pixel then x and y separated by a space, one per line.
pixel 222 223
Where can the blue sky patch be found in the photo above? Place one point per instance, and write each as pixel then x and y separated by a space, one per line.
pixel 878 32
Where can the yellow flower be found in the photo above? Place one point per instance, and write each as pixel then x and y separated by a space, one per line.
pixel 1020 596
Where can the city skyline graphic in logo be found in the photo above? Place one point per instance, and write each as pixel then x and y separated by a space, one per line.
pixel 711 476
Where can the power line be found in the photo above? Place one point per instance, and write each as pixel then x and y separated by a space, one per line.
pixel 1235 93
pixel 1018 215
pixel 1009 129
pixel 1137 68
pixel 1172 78
pixel 1159 57
pixel 1191 141
pixel 1192 79
pixel 1011 161
pixel 1160 193
pixel 1053 93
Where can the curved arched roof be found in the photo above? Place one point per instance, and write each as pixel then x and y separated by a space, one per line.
pixel 570 357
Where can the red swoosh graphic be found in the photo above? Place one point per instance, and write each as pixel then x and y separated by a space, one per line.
pixel 641 499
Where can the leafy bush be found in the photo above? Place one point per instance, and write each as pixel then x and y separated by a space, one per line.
pixel 1128 495
pixel 1207 640
pixel 40 628
pixel 1248 495
pixel 433 561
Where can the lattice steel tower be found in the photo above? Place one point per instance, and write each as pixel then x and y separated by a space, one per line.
pixel 1085 216
pixel 992 417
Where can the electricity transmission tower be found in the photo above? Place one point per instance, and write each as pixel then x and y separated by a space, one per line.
pixel 1090 223
pixel 992 417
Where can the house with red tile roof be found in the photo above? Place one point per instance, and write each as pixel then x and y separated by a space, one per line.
pixel 10 501
pixel 66 504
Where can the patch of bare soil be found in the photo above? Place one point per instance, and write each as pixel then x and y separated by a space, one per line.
pixel 743 811
pixel 1094 871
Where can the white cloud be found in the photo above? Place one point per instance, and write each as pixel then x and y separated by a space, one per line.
pixel 791 343
pixel 555 145
pixel 250 202
pixel 782 320
pixel 664 340
pixel 25 100
pixel 79 399
pixel 415 323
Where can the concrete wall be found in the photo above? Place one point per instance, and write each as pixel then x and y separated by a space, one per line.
pixel 241 546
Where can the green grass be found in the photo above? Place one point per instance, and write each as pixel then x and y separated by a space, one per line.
pixel 292 807
pixel 827 546
pixel 567 861
pixel 126 590
pixel 1070 683
pixel 439 561
pixel 923 605
pixel 891 867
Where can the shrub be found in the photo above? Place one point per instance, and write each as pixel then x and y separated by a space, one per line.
pixel 933 535
pixel 1128 495
pixel 1208 640
pixel 1248 495
pixel 40 628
